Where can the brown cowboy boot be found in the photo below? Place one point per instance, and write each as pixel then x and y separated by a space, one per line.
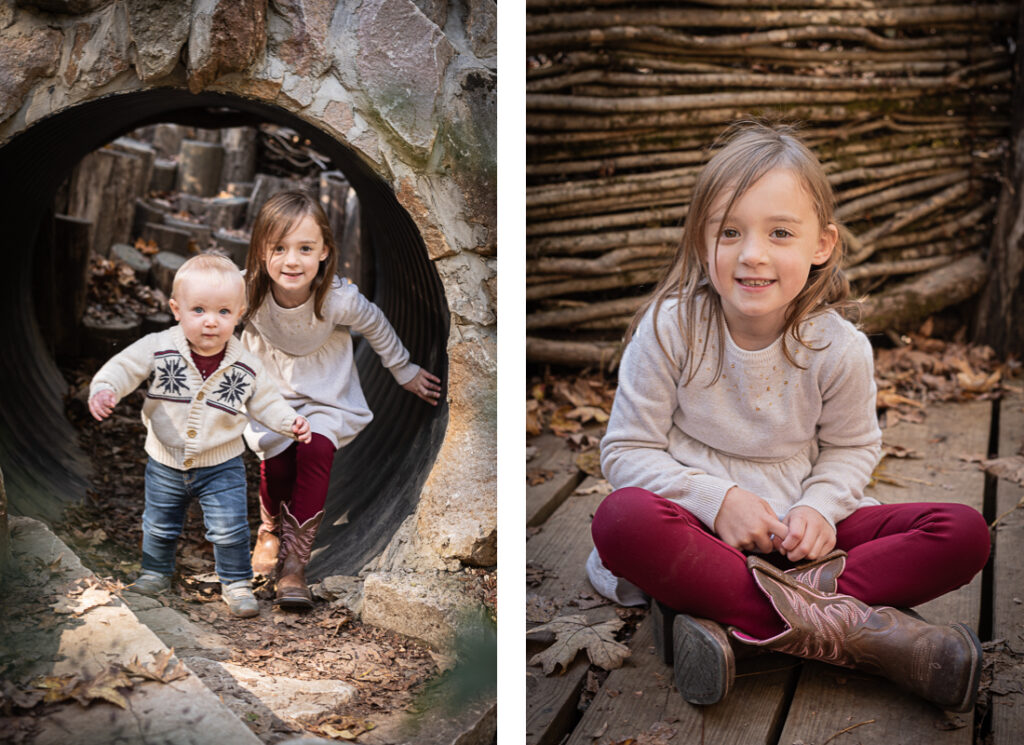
pixel 941 664
pixel 702 655
pixel 264 554
pixel 296 544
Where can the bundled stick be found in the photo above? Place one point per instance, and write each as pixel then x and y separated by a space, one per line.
pixel 906 104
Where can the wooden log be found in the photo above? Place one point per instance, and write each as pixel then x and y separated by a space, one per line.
pixel 239 188
pixel 101 340
pixel 145 153
pixel 71 241
pixel 168 239
pixel 264 187
pixel 239 154
pixel 574 286
pixel 607 263
pixel 164 177
pixel 131 256
pixel 156 322
pixel 104 187
pixel 165 266
pixel 226 212
pixel 167 139
pixel 1002 301
pixel 911 302
pixel 333 192
pixel 570 244
pixel 888 268
pixel 148 211
pixel 199 167
pixel 200 234
pixel 600 354
pixel 234 246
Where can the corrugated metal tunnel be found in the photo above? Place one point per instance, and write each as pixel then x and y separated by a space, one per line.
pixel 376 479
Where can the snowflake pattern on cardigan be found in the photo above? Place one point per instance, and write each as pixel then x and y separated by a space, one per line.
pixel 170 383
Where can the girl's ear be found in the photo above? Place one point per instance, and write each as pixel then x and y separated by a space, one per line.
pixel 826 244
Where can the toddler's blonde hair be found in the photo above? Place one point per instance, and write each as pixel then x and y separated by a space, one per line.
pixel 749 151
pixel 205 265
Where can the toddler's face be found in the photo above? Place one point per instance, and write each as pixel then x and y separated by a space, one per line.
pixel 208 309
pixel 765 251
pixel 293 262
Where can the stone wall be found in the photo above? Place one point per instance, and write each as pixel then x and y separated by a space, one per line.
pixel 409 86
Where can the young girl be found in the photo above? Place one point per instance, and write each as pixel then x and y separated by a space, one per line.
pixel 745 422
pixel 298 325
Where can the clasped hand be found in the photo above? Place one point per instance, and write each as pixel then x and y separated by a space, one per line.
pixel 747 522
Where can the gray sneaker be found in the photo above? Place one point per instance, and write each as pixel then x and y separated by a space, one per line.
pixel 238 595
pixel 150 583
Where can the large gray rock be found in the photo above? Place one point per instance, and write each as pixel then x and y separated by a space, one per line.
pixel 27 55
pixel 159 30
pixel 482 28
pixel 401 61
pixel 99 49
pixel 226 36
pixel 425 606
pixel 297 32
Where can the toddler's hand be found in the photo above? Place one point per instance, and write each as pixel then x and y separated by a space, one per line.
pixel 426 386
pixel 101 404
pixel 301 429
pixel 810 535
pixel 745 521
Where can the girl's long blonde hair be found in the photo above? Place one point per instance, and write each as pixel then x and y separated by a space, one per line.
pixel 749 151
pixel 279 215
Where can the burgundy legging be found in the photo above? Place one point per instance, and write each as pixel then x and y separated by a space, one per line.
pixel 898 554
pixel 299 477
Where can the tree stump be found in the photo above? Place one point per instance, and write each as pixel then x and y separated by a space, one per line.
pixel 132 257
pixel 165 266
pixel 147 211
pixel 226 212
pixel 144 152
pixel 102 339
pixel 71 241
pixel 104 187
pixel 200 233
pixel 156 322
pixel 239 188
pixel 167 238
pixel 199 167
pixel 167 139
pixel 334 189
pixel 264 187
pixel 239 154
pixel 165 175
pixel 236 247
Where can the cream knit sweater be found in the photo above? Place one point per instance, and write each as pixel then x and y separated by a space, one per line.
pixel 313 364
pixel 191 422
pixel 794 437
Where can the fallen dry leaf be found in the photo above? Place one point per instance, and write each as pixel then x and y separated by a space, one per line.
pixel 163 669
pixel 590 463
pixel 573 633
pixel 1011 468
pixel 91 598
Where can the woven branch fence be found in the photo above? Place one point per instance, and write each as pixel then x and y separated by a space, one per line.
pixel 906 102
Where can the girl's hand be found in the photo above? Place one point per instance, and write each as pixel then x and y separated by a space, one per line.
pixel 301 429
pixel 426 386
pixel 810 536
pixel 102 404
pixel 745 521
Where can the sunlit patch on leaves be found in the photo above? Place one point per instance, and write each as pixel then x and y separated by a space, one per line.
pixel 575 633
pixel 343 727
pixel 90 598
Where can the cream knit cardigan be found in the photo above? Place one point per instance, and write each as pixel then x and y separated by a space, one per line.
pixel 795 437
pixel 191 422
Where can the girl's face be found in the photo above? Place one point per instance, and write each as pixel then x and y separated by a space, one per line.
pixel 765 253
pixel 293 262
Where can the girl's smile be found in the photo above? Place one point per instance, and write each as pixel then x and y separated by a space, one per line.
pixel 293 262
pixel 765 250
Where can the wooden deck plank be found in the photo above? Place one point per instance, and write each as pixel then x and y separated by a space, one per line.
pixel 561 548
pixel 552 455
pixel 828 699
pixel 1008 586
pixel 641 694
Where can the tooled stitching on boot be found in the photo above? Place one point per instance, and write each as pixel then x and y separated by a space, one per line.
pixel 295 538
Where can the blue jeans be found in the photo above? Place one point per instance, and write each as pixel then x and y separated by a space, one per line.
pixel 221 493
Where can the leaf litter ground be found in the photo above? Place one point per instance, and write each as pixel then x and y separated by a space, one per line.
pixel 389 672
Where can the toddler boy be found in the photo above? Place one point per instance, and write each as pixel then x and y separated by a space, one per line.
pixel 203 386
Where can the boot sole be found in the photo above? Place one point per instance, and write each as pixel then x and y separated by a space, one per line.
pixel 970 695
pixel 297 603
pixel 704 665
